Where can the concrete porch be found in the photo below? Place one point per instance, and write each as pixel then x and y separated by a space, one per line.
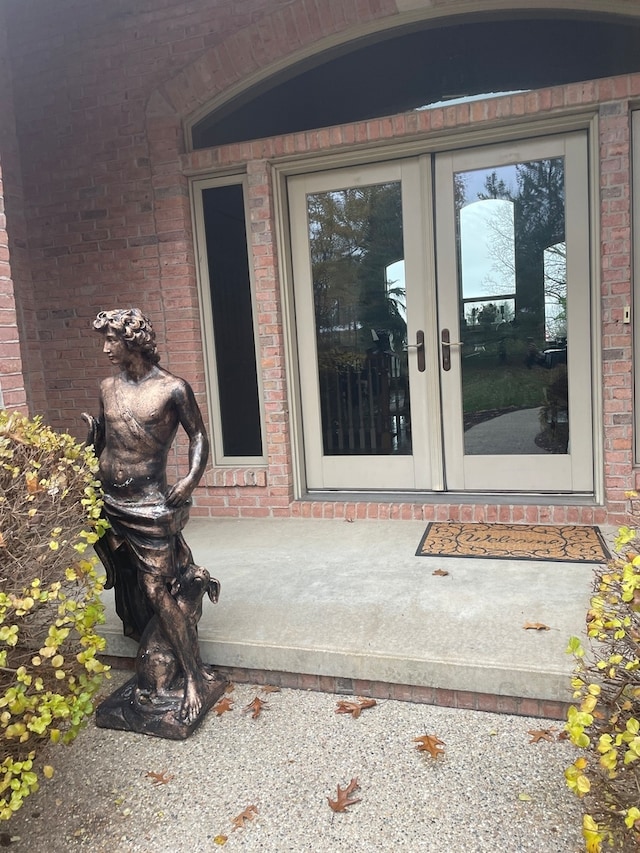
pixel 348 607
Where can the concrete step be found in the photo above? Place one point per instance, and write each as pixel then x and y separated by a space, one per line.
pixel 352 601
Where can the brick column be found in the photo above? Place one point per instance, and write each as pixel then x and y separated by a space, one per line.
pixel 19 350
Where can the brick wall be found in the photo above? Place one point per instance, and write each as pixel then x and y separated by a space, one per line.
pixel 103 223
pixel 15 290
pixel 101 94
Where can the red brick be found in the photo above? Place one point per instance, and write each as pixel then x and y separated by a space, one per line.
pixel 553 710
pixel 401 692
pixel 446 698
pixel 487 702
pixel 309 682
pixel 529 707
pixel 507 705
pixel 466 700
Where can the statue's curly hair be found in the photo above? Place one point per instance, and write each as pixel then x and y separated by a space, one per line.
pixel 133 327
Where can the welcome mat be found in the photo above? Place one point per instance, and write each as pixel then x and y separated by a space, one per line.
pixel 568 543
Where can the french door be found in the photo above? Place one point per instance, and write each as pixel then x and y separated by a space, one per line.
pixel 442 310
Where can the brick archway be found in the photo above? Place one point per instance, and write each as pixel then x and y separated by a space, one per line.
pixel 305 28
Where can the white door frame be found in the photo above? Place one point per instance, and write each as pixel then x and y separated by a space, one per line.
pixel 422 469
pixel 456 140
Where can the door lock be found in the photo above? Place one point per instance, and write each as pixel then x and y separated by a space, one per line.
pixel 419 348
pixel 446 348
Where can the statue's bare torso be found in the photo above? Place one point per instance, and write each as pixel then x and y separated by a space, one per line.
pixel 137 414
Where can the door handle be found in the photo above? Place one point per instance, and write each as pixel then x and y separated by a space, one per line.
pixel 419 348
pixel 446 348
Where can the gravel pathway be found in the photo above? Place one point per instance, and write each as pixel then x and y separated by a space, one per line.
pixel 493 790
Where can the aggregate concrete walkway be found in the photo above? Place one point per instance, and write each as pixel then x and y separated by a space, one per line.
pixel 514 433
pixel 491 790
pixel 351 600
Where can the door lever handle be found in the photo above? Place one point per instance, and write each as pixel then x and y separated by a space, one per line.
pixel 446 348
pixel 419 348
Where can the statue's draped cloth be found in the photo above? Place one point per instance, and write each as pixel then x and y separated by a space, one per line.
pixel 146 538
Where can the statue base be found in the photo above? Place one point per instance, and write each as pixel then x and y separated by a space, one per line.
pixel 125 711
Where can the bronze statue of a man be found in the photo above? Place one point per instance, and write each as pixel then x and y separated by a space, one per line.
pixel 141 408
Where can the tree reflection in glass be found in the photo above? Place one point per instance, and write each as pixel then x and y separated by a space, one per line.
pixel 513 303
pixel 357 262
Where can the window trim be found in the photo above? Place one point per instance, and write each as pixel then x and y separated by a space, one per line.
pixel 456 139
pixel 196 187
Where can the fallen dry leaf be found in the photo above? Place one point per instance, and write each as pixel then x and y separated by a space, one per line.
pixel 344 799
pixel 535 626
pixel 430 744
pixel 229 688
pixel 541 734
pixel 349 520
pixel 161 778
pixel 222 705
pixel 441 573
pixel 255 707
pixel 354 708
pixel 33 484
pixel 269 688
pixel 248 814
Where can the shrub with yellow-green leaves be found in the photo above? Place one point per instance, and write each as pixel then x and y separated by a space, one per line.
pixel 50 514
pixel 605 724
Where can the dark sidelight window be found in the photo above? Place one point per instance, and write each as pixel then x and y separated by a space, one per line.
pixel 233 330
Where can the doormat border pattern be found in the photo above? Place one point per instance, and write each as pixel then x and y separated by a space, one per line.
pixel 564 543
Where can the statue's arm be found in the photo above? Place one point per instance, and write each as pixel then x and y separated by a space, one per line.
pixel 192 423
pixel 95 427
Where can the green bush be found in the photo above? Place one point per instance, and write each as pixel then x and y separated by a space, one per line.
pixel 50 509
pixel 606 723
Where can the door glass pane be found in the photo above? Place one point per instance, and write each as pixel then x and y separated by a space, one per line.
pixel 357 260
pixel 512 272
pixel 230 288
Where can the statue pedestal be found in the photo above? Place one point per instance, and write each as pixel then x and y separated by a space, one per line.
pixel 124 711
